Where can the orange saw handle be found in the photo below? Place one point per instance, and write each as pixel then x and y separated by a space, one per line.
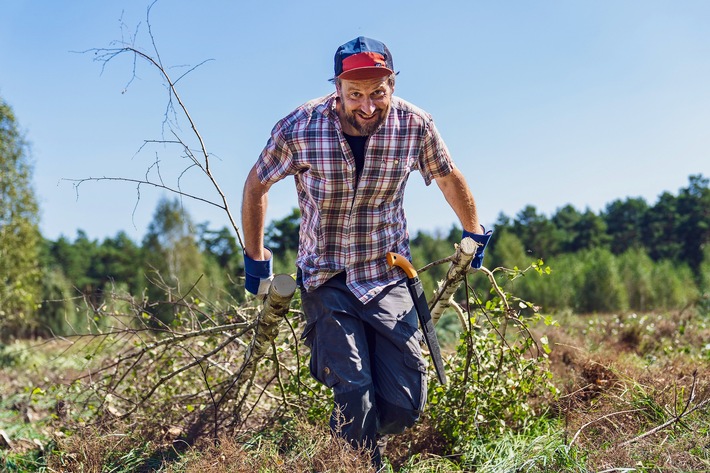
pixel 395 259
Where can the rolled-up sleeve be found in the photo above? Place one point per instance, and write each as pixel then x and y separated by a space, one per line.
pixel 276 159
pixel 434 159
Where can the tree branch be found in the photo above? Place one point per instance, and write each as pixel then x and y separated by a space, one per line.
pixel 686 411
pixel 460 263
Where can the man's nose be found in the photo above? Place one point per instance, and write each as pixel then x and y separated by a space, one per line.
pixel 368 107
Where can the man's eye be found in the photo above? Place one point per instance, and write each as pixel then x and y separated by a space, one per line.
pixel 356 95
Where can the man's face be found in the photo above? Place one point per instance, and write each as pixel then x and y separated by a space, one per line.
pixel 364 104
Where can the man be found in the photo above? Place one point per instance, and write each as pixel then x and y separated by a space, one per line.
pixel 351 153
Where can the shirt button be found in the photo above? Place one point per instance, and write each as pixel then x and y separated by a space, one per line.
pixel 326 370
pixel 396 161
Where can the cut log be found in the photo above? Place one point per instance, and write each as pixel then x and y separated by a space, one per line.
pixel 276 306
pixel 459 266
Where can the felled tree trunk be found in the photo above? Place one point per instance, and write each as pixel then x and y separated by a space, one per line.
pixel 275 308
pixel 459 266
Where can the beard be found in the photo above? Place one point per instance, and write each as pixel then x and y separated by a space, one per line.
pixel 368 127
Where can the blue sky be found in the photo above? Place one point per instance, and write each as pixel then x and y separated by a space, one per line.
pixel 542 103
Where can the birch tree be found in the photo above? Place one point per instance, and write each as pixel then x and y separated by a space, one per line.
pixel 19 230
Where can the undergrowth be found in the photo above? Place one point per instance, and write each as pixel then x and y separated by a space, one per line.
pixel 615 392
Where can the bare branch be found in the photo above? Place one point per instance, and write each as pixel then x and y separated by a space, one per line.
pixel 686 411
pixel 611 414
pixel 141 182
pixel 105 55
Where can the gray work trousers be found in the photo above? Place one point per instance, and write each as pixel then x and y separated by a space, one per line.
pixel 370 355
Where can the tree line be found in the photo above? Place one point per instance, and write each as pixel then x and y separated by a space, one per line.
pixel 630 256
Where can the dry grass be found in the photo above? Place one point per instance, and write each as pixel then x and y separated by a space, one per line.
pixel 636 391
pixel 305 449
pixel 421 440
pixel 635 394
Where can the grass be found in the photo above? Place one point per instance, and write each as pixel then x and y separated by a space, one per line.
pixel 628 375
pixel 635 397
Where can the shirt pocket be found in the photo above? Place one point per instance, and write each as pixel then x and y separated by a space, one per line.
pixel 388 178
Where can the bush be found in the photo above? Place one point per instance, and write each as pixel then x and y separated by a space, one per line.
pixel 602 289
pixel 57 314
pixel 496 376
pixel 597 281
pixel 673 285
pixel 558 292
pixel 636 272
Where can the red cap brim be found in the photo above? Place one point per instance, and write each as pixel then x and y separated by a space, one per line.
pixel 364 73
pixel 364 65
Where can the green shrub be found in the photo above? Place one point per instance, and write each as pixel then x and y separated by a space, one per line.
pixel 498 373
pixel 560 291
pixel 57 314
pixel 673 285
pixel 602 289
pixel 636 272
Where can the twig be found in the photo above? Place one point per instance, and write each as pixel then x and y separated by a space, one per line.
pixel 436 263
pixel 140 182
pixel 166 378
pixel 576 435
pixel 687 410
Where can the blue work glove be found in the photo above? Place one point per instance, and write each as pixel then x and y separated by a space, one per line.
pixel 482 240
pixel 258 274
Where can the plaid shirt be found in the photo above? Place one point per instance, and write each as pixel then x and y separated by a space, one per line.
pixel 349 224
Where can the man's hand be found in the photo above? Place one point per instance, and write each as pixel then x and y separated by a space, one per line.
pixel 482 240
pixel 258 273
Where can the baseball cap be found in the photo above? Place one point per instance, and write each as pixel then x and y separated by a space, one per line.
pixel 363 58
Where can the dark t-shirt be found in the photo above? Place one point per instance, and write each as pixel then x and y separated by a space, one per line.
pixel 357 145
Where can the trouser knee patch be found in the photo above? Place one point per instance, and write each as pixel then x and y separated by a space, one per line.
pixel 395 419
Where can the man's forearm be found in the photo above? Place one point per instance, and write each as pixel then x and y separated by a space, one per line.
pixel 254 203
pixel 460 198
